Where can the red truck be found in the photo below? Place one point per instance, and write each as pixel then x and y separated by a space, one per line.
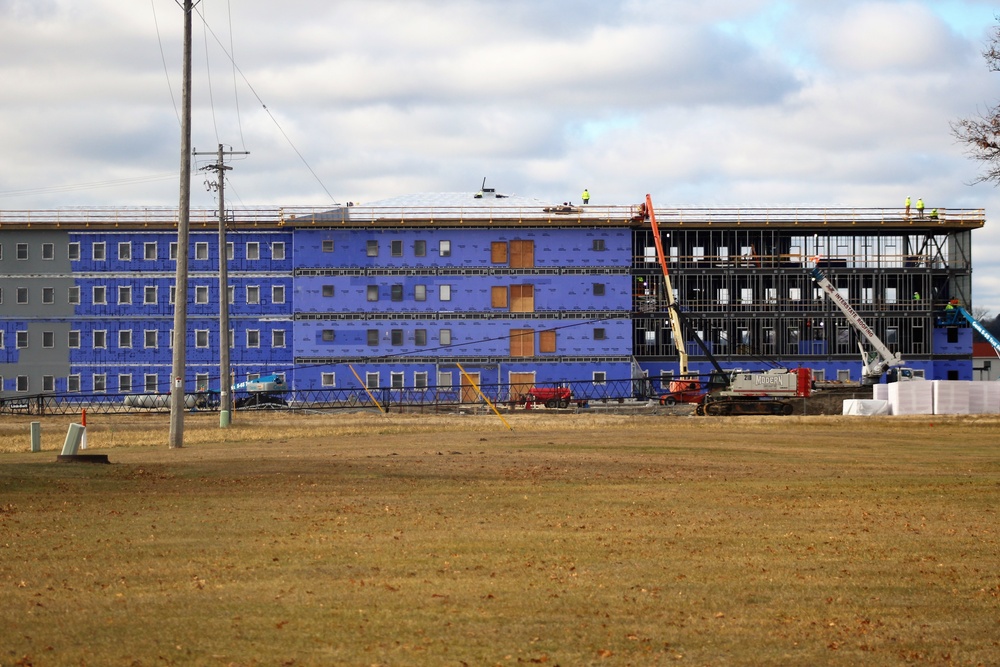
pixel 550 397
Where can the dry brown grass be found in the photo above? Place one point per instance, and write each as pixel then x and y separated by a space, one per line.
pixel 573 540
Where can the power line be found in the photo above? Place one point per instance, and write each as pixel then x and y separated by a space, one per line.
pixel 264 106
pixel 163 58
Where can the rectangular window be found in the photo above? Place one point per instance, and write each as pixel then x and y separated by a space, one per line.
pixel 420 248
pixel 420 337
pixel 73 251
pixel 48 251
pixel 48 295
pixel 125 338
pixel 22 295
pixel 253 250
pixel 100 294
pixel 151 383
pixel 48 383
pixel 22 383
pixel 444 336
pixel 100 382
pixel 373 337
pixel 21 339
pixel 253 294
pixel 124 294
pixel 396 380
pixel 125 251
pixel 278 338
pixel 149 254
pixel 420 292
pixel 600 377
pixel 149 338
pixel 278 250
pixel 73 339
pixel 73 383
pixel 124 384
pixel 253 338
pixel 232 294
pixel 98 251
pixel 445 380
pixel 599 289
pixel 328 379
pixel 498 252
pixel 371 248
pixel 74 295
pixel 547 341
pixel 173 294
pixel 22 251
pixel 328 291
pixel 230 251
pixel 201 251
pixel 444 292
pixel 498 296
pixel 598 245
pixel 522 342
pixel 201 338
pixel 327 245
pixel 600 333
pixel 201 293
pixel 48 339
pixel 420 380
pixel 149 295
pixel 328 335
pixel 277 293
pixel 397 337
pixel 396 292
pixel 445 249
pixel 372 292
pixel 396 248
pixel 371 380
pixel 201 381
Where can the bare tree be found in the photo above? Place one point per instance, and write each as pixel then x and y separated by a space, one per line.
pixel 981 133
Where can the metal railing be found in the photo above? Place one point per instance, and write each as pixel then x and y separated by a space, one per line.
pixel 540 213
pixel 409 399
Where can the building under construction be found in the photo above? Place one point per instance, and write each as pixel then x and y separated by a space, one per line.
pixel 398 293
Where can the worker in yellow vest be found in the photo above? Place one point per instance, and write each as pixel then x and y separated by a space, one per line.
pixel 920 208
pixel 907 206
pixel 585 196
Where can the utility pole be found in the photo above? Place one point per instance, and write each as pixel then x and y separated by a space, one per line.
pixel 178 373
pixel 225 386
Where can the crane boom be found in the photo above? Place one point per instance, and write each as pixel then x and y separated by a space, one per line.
pixel 983 331
pixel 672 308
pixel 873 365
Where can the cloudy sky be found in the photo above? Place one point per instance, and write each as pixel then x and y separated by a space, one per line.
pixel 716 102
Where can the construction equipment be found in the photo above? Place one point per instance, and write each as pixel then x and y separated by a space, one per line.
pixel 954 311
pixel 685 388
pixel 725 392
pixel 758 392
pixel 874 363
pixel 264 392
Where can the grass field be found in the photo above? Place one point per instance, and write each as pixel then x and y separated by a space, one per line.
pixel 571 540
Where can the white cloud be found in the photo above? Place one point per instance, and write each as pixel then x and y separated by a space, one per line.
pixel 778 102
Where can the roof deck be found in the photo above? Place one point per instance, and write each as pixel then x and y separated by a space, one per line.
pixel 497 213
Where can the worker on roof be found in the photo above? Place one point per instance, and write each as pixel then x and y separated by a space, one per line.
pixel 585 196
pixel 920 208
pixel 907 206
